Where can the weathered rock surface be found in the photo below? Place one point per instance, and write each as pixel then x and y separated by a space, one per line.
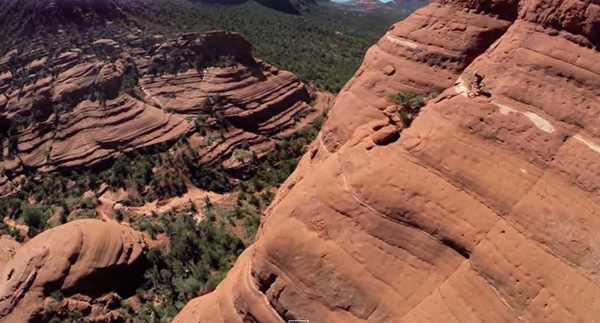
pixel 72 258
pixel 485 209
pixel 424 53
pixel 260 102
pixel 252 101
pixel 8 248
pixel 258 97
pixel 77 115
pixel 77 111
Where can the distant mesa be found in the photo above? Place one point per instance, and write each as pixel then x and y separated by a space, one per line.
pixel 377 6
pixel 287 6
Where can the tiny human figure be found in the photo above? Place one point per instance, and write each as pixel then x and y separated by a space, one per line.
pixel 477 79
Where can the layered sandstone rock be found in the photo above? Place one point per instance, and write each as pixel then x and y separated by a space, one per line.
pixel 424 53
pixel 75 111
pixel 77 116
pixel 72 258
pixel 253 101
pixel 259 102
pixel 484 210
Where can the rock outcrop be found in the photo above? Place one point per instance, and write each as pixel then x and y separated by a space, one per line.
pixel 257 101
pixel 484 210
pixel 72 258
pixel 72 110
pixel 78 116
pixel 424 53
pixel 248 100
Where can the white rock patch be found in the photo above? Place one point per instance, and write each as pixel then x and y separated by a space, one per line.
pixel 505 110
pixel 591 145
pixel 539 122
pixel 460 87
pixel 402 42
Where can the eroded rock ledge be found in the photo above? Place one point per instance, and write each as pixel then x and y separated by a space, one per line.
pixel 77 108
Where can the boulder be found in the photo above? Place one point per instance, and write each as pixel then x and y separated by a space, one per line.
pixel 385 135
pixel 87 256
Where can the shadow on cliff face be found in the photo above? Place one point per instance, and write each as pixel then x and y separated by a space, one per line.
pixel 122 279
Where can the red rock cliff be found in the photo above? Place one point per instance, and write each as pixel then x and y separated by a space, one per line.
pixel 484 210
pixel 75 111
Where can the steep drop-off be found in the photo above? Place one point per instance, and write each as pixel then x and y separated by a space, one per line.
pixel 86 86
pixel 484 210
pixel 424 53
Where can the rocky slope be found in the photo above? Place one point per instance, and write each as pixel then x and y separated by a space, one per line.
pixel 424 53
pixel 70 259
pixel 59 123
pixel 79 90
pixel 253 100
pixel 8 248
pixel 64 108
pixel 484 210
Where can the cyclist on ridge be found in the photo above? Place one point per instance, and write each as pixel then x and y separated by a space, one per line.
pixel 477 79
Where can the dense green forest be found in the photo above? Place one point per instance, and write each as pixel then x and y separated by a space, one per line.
pixel 323 46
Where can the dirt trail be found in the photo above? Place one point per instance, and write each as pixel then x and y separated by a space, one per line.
pixel 152 97
pixel 196 195
pixel 23 229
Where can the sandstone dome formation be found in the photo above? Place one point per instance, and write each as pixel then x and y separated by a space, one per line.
pixel 87 257
pixel 484 210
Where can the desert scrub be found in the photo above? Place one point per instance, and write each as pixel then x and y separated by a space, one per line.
pixel 409 106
